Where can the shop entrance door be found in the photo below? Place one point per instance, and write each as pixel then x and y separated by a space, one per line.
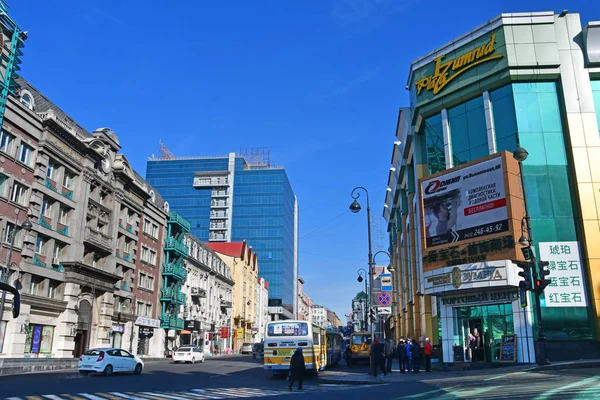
pixel 490 322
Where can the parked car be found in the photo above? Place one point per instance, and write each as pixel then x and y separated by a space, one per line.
pixel 108 361
pixel 188 354
pixel 258 349
pixel 246 348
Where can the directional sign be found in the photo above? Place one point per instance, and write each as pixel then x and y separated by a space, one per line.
pixel 386 282
pixel 384 310
pixel 384 299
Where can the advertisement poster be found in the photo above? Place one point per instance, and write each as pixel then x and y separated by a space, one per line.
pixel 37 337
pixel 465 204
pixel 47 336
pixel 564 263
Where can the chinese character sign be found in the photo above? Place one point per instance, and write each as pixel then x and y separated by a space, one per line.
pixel 566 288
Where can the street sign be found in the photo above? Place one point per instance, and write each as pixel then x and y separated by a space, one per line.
pixel 384 310
pixel 386 282
pixel 523 298
pixel 527 253
pixel 384 299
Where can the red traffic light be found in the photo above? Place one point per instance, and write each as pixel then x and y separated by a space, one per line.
pixel 538 283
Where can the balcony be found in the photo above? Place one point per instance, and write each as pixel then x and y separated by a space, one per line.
pixel 218 215
pixel 45 222
pixel 206 181
pixel 175 218
pixel 98 239
pixel 198 292
pixel 127 257
pixel 50 184
pixel 67 193
pixel 171 323
pixel 220 193
pixel 175 270
pixel 219 204
pixel 62 229
pixel 218 227
pixel 175 245
pixel 37 261
pixel 226 304
pixel 173 296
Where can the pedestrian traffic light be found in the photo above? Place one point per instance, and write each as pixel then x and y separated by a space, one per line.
pixel 542 282
pixel 372 315
pixel 527 283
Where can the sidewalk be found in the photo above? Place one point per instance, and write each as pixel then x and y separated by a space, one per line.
pixel 359 376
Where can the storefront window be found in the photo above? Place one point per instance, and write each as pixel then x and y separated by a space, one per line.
pixel 478 331
pixel 39 339
pixel 2 334
pixel 533 110
pixel 436 157
pixel 468 132
pixel 596 94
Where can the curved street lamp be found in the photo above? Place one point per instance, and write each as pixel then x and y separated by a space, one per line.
pixel 355 208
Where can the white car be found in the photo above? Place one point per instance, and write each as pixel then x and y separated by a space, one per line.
pixel 246 348
pixel 108 361
pixel 188 354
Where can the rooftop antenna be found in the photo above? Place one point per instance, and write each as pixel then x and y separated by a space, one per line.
pixel 164 152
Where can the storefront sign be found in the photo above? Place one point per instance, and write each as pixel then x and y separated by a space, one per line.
pixel 446 72
pixel 566 288
pixel 118 328
pixel 465 213
pixel 145 321
pixel 240 333
pixel 481 298
pixel 471 276
pixel 224 332
pixel 146 332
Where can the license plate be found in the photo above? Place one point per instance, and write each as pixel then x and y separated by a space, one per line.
pixel 284 353
pixel 86 366
pixel 287 359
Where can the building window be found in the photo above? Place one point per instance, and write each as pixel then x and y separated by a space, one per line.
pixel 46 208
pixel 150 283
pixel 63 215
pixel 154 232
pixel 39 339
pixel 148 310
pixel 434 137
pixel 39 245
pixel 147 229
pixel 26 154
pixel 27 100
pixel 127 246
pixel 468 132
pixel 140 308
pixel 6 142
pixel 53 289
pixel 3 184
pixel 142 280
pixel 56 253
pixel 68 180
pixel 18 194
pixel 35 285
pixel 2 334
pixel 102 197
pixel 51 171
pixel 152 257
pixel 10 228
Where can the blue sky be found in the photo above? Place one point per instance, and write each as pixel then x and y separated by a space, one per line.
pixel 317 81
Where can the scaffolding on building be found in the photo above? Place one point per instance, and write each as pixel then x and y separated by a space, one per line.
pixel 164 152
pixel 257 156
pixel 13 40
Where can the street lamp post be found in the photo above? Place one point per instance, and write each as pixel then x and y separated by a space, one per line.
pixel 246 303
pixel 26 225
pixel 520 154
pixel 360 279
pixel 355 208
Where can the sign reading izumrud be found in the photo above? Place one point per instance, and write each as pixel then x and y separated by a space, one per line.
pixel 566 277
pixel 446 72
pixel 465 204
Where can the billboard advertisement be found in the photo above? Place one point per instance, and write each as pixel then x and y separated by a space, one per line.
pixel 465 204
pixel 468 213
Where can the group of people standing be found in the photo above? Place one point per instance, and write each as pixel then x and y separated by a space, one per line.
pixel 409 353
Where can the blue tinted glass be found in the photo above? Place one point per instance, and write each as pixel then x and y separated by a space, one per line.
pixel 555 148
pixel 503 107
pixel 534 143
pixel 596 94
pixel 436 156
pixel 527 111
pixel 468 131
pixel 550 112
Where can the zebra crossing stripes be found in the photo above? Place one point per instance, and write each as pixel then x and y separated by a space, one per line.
pixel 192 394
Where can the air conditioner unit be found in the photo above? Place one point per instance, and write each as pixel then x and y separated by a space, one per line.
pixel 55 261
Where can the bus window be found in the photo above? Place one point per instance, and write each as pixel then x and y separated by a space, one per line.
pixel 278 329
pixel 360 339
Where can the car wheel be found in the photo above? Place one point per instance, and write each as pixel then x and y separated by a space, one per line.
pixel 193 360
pixel 84 373
pixel 138 369
pixel 108 370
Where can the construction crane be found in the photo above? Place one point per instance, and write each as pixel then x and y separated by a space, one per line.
pixel 13 40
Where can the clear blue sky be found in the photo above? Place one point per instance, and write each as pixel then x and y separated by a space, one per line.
pixel 317 81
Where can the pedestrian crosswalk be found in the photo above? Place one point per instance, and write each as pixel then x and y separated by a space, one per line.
pixel 193 394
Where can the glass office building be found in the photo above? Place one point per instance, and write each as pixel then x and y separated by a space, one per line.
pixel 528 79
pixel 233 199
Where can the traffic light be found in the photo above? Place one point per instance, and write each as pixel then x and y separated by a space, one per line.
pixel 372 315
pixel 542 282
pixel 527 283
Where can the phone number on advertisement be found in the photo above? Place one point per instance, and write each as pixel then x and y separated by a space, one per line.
pixel 492 228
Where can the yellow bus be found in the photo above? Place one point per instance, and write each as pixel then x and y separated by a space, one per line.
pixel 282 338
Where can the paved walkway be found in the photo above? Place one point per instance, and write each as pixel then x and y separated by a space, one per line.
pixel 359 376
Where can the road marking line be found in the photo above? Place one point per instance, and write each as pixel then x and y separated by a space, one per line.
pixel 147 395
pixel 204 393
pixel 13 398
pixel 33 397
pixel 554 391
pixel 229 393
pixel 91 396
pixel 196 396
pixel 52 397
pixel 505 375
pixel 161 396
pixel 126 396
pixel 108 396
pixel 72 397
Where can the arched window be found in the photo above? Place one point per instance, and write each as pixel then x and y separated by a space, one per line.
pixel 27 99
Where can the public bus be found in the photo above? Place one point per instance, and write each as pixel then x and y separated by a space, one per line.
pixel 360 346
pixel 282 338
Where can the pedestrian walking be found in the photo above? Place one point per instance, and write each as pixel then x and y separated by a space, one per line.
pixel 348 356
pixel 297 368
pixel 378 351
pixel 428 351
pixel 408 349
pixel 390 352
pixel 416 356
pixel 401 352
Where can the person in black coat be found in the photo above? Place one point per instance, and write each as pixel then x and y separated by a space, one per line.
pixel 379 354
pixel 416 355
pixel 297 368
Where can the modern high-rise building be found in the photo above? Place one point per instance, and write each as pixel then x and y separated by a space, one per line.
pixel 235 198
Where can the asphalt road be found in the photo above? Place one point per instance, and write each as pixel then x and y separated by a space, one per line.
pixel 242 377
